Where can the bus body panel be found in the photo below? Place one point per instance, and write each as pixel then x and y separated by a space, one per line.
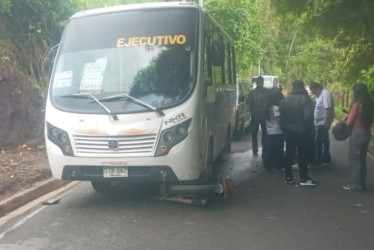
pixel 183 159
pixel 91 133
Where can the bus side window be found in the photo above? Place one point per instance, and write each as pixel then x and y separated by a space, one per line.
pixel 208 32
pixel 207 64
pixel 233 63
pixel 216 70
pixel 228 68
pixel 224 65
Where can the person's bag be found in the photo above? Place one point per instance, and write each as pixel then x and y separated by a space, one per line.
pixel 341 131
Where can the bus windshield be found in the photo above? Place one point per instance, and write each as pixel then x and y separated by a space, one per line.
pixel 148 55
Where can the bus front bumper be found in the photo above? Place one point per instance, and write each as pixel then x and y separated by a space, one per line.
pixel 134 173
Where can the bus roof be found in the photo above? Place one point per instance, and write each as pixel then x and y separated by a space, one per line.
pixel 129 7
pixel 145 6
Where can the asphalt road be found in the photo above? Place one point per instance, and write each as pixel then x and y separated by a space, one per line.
pixel 264 213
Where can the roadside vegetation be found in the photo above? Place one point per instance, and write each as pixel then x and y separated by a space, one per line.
pixel 324 41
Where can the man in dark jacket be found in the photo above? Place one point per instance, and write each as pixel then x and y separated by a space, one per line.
pixel 257 104
pixel 296 117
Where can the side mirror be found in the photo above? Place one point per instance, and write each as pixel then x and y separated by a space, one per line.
pixel 218 53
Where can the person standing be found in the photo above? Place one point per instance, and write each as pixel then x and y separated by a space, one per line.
pixel 296 118
pixel 257 104
pixel 279 90
pixel 323 116
pixel 360 119
pixel 274 155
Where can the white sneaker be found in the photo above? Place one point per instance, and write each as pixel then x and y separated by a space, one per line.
pixel 308 182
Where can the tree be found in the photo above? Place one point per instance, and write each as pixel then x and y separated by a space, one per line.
pixel 5 6
pixel 241 20
pixel 29 28
pixel 347 25
pixel 269 62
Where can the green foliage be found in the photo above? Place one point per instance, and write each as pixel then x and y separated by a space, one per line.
pixel 90 4
pixel 316 61
pixel 269 64
pixel 240 20
pixel 339 113
pixel 368 78
pixel 5 6
pixel 30 27
pixel 347 28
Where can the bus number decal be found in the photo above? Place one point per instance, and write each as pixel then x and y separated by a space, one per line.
pixel 113 163
pixel 175 119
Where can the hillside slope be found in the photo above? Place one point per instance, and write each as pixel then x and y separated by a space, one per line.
pixel 21 108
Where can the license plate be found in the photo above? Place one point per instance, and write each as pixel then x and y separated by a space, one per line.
pixel 111 172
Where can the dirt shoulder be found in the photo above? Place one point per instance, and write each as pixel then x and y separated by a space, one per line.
pixel 21 167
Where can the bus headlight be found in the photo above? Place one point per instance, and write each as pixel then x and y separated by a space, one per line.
pixel 60 138
pixel 181 131
pixel 171 137
pixel 168 137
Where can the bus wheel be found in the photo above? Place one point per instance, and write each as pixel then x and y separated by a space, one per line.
pixel 101 186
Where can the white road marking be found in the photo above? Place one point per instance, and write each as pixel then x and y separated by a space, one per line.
pixel 34 203
pixel 19 223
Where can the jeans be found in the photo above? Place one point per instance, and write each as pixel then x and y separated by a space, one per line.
pixel 255 123
pixel 358 145
pixel 298 141
pixel 322 145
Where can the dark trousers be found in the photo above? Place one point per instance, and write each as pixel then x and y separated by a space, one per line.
pixel 322 145
pixel 298 141
pixel 274 155
pixel 255 123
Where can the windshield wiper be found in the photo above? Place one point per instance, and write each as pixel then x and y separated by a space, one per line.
pixel 88 95
pixel 134 100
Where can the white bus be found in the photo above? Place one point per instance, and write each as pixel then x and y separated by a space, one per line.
pixel 142 92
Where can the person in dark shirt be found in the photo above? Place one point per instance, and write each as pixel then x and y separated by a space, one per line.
pixel 257 104
pixel 297 122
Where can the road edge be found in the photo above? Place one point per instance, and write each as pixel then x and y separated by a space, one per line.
pixel 24 197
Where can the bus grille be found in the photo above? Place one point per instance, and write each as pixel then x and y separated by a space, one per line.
pixel 99 146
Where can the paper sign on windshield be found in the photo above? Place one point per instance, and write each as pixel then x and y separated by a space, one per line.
pixel 63 79
pixel 93 75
